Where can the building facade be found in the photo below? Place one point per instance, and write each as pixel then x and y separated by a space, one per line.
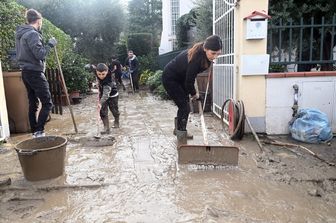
pixel 171 11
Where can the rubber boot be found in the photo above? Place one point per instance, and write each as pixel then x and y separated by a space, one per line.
pixel 106 126
pixel 189 136
pixel 175 126
pixel 181 137
pixel 116 122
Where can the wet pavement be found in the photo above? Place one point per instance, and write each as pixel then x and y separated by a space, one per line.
pixel 133 176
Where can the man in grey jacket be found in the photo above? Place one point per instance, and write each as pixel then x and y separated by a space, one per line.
pixel 31 54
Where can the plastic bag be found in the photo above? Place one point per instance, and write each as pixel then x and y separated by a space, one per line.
pixel 311 126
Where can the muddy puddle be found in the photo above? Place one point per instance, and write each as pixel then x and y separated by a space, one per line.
pixel 134 176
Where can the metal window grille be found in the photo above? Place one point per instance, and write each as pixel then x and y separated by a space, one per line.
pixel 301 45
pixel 175 12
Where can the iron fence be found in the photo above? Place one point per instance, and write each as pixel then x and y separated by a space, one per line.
pixel 53 77
pixel 302 45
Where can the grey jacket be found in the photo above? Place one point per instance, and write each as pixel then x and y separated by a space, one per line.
pixel 30 50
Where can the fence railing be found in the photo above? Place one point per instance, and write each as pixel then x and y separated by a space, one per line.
pixel 53 77
pixel 163 59
pixel 302 45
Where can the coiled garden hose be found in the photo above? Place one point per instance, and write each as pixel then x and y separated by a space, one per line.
pixel 236 114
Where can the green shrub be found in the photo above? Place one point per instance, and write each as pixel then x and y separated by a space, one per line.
pixel 148 62
pixel 155 84
pixel 161 91
pixel 64 42
pixel 11 16
pixel 140 43
pixel 75 75
pixel 144 76
pixel 155 80
pixel 275 68
pixel 121 51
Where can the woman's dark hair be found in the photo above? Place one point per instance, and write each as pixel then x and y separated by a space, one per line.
pixel 213 43
pixel 196 49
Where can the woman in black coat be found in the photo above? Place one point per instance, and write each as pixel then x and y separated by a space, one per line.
pixel 179 76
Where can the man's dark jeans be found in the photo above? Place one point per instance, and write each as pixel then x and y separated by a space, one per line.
pixel 37 89
pixel 135 79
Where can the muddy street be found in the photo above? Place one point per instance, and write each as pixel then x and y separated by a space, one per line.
pixel 133 176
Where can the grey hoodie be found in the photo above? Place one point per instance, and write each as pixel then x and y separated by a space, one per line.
pixel 30 51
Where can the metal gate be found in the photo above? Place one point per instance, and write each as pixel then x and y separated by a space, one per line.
pixel 224 70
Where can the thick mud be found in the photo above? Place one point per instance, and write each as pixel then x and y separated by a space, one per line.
pixel 133 176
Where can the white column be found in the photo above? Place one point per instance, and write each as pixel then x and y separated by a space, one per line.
pixel 4 125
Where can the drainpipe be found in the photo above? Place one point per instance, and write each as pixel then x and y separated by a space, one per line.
pixel 295 106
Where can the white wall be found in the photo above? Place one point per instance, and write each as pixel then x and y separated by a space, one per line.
pixel 314 92
pixel 4 125
pixel 185 6
pixel 166 44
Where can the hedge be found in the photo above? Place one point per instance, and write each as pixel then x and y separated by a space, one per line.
pixel 12 15
pixel 140 43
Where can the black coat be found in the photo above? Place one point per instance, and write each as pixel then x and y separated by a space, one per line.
pixel 184 72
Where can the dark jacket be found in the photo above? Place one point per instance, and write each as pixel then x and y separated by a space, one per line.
pixel 107 88
pixel 183 72
pixel 118 66
pixel 30 51
pixel 133 64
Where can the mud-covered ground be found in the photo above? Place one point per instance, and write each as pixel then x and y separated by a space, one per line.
pixel 133 175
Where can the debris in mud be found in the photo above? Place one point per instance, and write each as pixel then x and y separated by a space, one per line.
pixel 212 214
pixel 57 187
pixel 25 199
pixel 5 182
pixel 315 193
pixel 291 145
pixel 91 141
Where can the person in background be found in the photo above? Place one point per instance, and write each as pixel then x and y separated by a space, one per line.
pixel 108 97
pixel 133 64
pixel 115 67
pixel 31 54
pixel 179 76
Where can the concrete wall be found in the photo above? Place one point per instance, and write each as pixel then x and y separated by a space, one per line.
pixel 316 90
pixel 250 89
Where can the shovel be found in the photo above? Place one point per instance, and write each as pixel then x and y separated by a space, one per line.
pixel 207 154
pixel 130 76
pixel 65 89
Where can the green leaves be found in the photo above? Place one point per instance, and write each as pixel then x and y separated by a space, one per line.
pixel 75 75
pixel 94 25
pixel 11 14
pixel 203 19
pixel 145 16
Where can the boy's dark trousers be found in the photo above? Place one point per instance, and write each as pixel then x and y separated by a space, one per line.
pixel 112 104
pixel 119 80
pixel 37 88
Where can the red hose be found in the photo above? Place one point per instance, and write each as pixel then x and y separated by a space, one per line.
pixel 236 118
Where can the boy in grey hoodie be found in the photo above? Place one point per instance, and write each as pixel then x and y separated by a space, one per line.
pixel 31 54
